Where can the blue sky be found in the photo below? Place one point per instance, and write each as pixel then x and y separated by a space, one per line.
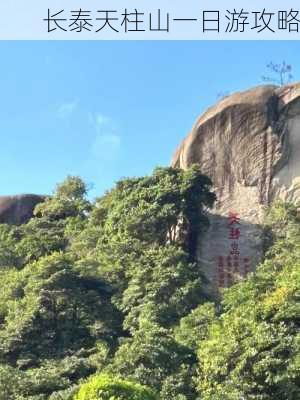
pixel 106 110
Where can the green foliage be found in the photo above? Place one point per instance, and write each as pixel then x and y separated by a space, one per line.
pixel 162 284
pixel 146 357
pixel 194 327
pixel 105 387
pixel 252 350
pixel 81 280
pixel 12 382
pixel 150 209
pixel 69 200
pixel 53 379
pixel 144 226
pixel 73 188
pixel 40 237
pixel 99 299
pixel 8 241
pixel 54 311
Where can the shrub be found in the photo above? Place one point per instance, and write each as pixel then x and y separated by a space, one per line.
pixel 105 387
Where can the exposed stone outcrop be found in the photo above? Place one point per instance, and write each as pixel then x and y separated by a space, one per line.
pixel 18 209
pixel 249 144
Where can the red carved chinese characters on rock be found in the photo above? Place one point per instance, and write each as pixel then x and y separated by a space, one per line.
pixel 233 265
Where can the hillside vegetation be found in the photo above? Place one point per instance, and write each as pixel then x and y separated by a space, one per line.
pixel 106 300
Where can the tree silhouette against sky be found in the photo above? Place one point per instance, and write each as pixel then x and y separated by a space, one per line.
pixel 281 74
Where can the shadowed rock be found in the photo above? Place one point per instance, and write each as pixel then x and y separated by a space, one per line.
pixel 18 209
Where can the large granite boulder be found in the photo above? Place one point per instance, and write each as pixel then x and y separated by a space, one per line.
pixel 249 144
pixel 18 209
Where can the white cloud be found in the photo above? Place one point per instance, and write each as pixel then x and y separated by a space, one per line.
pixel 68 108
pixel 107 143
pixel 101 120
pixel 106 147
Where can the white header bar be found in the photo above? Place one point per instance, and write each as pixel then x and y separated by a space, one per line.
pixel 149 20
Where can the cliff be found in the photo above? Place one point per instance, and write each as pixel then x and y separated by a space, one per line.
pixel 249 145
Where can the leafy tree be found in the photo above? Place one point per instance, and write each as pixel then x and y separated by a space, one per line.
pixel 252 350
pixel 194 327
pixel 84 277
pixel 8 242
pixel 155 208
pixel 164 285
pixel 143 235
pixel 105 387
pixel 69 200
pixel 40 237
pixel 115 287
pixel 281 74
pixel 12 382
pixel 73 188
pixel 154 358
pixel 52 311
pixel 51 381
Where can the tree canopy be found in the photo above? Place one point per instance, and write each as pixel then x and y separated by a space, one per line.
pixel 106 299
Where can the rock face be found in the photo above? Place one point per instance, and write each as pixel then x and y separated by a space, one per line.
pixel 18 209
pixel 249 145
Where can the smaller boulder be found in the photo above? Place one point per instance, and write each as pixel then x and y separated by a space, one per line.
pixel 17 210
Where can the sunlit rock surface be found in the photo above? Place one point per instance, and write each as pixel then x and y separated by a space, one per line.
pixel 249 145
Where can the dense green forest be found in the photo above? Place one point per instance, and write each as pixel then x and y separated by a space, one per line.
pixel 105 300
